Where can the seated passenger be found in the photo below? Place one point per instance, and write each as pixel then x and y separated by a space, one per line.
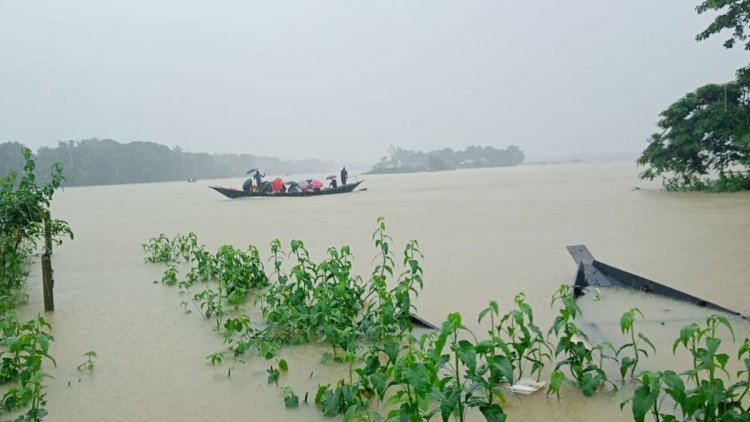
pixel 248 185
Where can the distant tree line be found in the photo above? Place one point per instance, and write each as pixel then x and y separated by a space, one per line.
pixel 105 162
pixel 401 160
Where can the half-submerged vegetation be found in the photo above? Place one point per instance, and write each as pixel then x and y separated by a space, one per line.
pixel 24 346
pixel 394 371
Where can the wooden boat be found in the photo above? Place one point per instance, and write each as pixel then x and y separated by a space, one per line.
pixel 237 193
pixel 592 273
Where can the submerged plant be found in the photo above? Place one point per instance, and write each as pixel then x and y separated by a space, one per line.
pixel 518 331
pixel 704 394
pixel 159 249
pixel 215 358
pixel 290 399
pixel 185 245
pixel 184 306
pixel 210 304
pixel 573 344
pixel 170 276
pixel 89 364
pixel 27 347
pixel 627 322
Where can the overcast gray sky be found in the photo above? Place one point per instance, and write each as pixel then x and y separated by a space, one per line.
pixel 345 79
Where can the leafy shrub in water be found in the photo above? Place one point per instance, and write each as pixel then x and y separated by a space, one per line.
pixel 448 372
pixel 24 205
pixel 317 302
pixel 523 339
pixel 24 220
pixel 161 249
pixel 573 344
pixel 25 347
pixel 239 272
pixel 703 394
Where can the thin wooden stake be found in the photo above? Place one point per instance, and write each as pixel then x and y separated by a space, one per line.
pixel 48 283
pixel 47 233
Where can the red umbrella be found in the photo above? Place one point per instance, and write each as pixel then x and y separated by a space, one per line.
pixel 331 177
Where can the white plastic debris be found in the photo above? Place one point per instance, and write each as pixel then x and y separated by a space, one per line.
pixel 527 386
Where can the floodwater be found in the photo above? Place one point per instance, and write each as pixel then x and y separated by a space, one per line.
pixel 485 234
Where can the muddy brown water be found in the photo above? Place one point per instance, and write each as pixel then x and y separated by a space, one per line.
pixel 486 234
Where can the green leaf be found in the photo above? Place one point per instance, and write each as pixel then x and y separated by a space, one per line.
pixel 642 403
pixel 493 413
pixel 467 354
pixel 675 387
pixel 724 321
pixel 450 403
pixel 626 321
pixel 645 339
pixel 686 333
pixel 319 394
pixel 483 314
pixel 391 350
pixel 590 383
pixel 273 376
pixel 625 364
pixel 379 381
pixel 283 365
pixel 504 366
pixel 722 359
pixel 556 381
pixel 351 413
pixel 331 401
pixel 291 401
pixel 483 347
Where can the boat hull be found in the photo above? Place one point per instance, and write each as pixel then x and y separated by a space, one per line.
pixel 592 273
pixel 236 193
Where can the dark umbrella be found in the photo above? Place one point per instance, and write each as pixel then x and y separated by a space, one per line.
pixel 291 183
pixel 251 171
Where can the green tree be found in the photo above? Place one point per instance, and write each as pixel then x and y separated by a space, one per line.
pixel 23 207
pixel 708 130
pixel 735 17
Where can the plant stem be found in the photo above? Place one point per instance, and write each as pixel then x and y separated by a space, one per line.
pixel 491 387
pixel 635 351
pixel 458 380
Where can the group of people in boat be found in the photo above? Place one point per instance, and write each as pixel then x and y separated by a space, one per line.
pixel 278 185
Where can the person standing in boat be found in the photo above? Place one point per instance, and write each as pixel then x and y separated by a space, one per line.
pixel 344 176
pixel 258 178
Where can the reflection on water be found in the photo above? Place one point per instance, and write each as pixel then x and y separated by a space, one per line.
pixel 486 234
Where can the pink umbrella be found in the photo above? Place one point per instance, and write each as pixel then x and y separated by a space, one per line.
pixel 316 184
pixel 304 185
